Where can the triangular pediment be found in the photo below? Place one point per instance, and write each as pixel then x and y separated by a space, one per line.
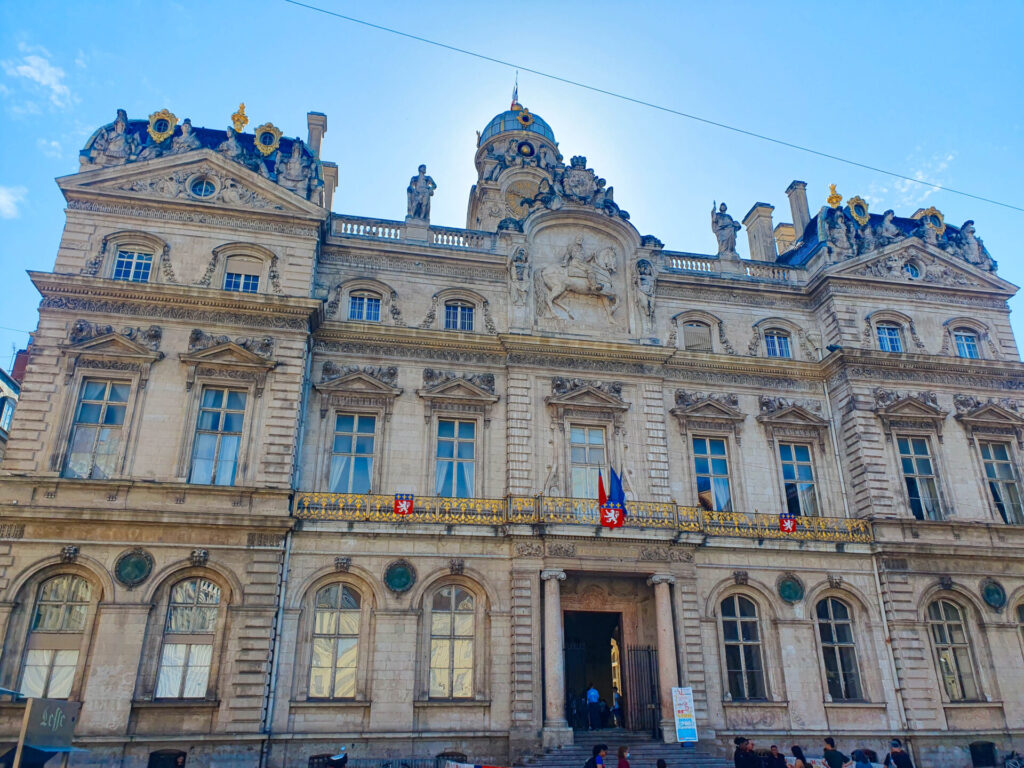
pixel 588 396
pixel 793 415
pixel 991 413
pixel 358 383
pixel 458 389
pixel 709 409
pixel 227 354
pixel 169 178
pixel 113 345
pixel 912 261
pixel 911 407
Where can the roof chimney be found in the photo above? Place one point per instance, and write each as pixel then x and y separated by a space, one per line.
pixel 758 222
pixel 797 192
pixel 317 122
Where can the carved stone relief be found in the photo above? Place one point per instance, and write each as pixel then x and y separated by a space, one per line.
pixel 262 346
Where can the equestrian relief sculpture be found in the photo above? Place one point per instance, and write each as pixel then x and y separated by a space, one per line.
pixel 583 272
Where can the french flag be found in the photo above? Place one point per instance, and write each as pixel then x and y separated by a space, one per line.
pixel 612 504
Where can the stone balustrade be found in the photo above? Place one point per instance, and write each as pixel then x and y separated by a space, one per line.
pixel 552 510
pixel 467 239
pixel 691 263
pixel 768 270
pixel 374 229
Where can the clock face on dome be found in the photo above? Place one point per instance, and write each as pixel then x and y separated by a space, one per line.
pixel 514 195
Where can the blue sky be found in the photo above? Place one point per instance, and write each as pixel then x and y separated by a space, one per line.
pixel 930 90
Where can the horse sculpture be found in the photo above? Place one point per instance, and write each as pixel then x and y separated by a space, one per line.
pixel 582 275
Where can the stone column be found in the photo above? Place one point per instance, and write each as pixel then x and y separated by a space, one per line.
pixel 668 677
pixel 556 730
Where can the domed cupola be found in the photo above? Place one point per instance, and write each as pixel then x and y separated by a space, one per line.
pixel 515 152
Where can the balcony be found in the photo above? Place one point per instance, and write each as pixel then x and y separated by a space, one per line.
pixel 550 510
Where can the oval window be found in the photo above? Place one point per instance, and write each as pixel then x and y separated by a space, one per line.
pixel 203 188
pixel 161 126
pixel 912 270
pixel 266 138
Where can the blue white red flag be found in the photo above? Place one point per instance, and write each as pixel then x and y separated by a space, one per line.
pixel 602 496
pixel 615 493
pixel 613 509
pixel 404 503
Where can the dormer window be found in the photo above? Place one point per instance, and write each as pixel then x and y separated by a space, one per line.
pixel 967 343
pixel 242 274
pixel 458 316
pixel 697 337
pixel 776 343
pixel 133 266
pixel 890 337
pixel 365 306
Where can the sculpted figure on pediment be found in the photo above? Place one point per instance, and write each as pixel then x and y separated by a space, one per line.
pixel 970 248
pixel 186 142
pixel 294 173
pixel 114 145
pixel 231 149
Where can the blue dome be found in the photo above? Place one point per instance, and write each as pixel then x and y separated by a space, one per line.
pixel 508 121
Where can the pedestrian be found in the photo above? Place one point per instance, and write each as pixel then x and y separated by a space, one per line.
pixel 597 757
pixel 739 758
pixel 617 708
pixel 860 759
pixel 623 757
pixel 799 760
pixel 897 758
pixel 775 759
pixel 833 757
pixel 593 707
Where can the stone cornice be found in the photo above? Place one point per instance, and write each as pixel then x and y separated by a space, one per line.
pixel 80 293
pixel 871 366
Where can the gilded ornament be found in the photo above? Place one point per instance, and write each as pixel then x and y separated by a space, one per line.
pixel 268 139
pixel 524 117
pixel 239 119
pixel 161 125
pixel 932 218
pixel 834 198
pixel 858 209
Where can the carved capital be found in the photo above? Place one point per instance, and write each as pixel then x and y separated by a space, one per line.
pixel 552 573
pixel 661 578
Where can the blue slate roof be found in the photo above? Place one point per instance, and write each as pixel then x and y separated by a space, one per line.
pixel 507 122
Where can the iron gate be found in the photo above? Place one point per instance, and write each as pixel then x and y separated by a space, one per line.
pixel 643 707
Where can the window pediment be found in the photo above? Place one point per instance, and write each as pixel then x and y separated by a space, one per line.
pixel 108 350
pixel 227 360
pixel 368 387
pixel 576 398
pixel 709 412
pixel 794 420
pixel 588 396
pixel 988 418
pixel 452 393
pixel 909 411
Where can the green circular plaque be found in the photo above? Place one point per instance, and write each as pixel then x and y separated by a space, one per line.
pixel 993 594
pixel 399 576
pixel 791 589
pixel 133 567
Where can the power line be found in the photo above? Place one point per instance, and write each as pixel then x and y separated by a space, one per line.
pixel 651 105
pixel 16 330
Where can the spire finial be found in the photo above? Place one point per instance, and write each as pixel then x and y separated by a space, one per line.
pixel 516 106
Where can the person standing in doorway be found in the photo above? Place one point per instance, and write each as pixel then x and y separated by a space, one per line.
pixel 593 707
pixel 617 708
pixel 623 756
pixel 897 758
pixel 833 757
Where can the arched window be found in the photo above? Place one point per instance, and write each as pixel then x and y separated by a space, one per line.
pixel 967 343
pixel 364 305
pixel 54 640
pixel 952 650
pixel 776 343
pixel 1020 619
pixel 335 656
pixel 890 337
pixel 835 628
pixel 743 666
pixel 458 316
pixel 452 640
pixel 697 336
pixel 187 652
pixel 242 274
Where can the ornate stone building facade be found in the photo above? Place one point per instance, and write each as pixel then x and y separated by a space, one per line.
pixel 229 385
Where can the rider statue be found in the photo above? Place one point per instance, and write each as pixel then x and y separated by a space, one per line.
pixel 578 263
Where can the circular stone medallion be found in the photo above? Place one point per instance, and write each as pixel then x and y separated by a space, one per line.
pixel 133 567
pixel 399 576
pixel 993 594
pixel 791 589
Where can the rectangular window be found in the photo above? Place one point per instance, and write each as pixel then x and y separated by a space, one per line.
pixel 184 671
pixel 967 345
pixel 697 337
pixel 889 338
pixel 587 457
pixel 1002 481
pixel 352 453
pixel 920 477
pixel 456 458
pixel 48 673
pixel 777 345
pixel 364 308
pixel 133 266
pixel 96 433
pixel 712 468
pixel 218 437
pixel 239 283
pixel 458 317
pixel 798 479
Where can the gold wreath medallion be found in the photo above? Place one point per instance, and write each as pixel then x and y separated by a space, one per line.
pixel 163 115
pixel 928 215
pixel 263 146
pixel 858 209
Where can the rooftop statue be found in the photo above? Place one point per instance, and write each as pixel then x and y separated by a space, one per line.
pixel 421 189
pixel 294 173
pixel 230 147
pixel 970 248
pixel 114 145
pixel 186 142
pixel 725 228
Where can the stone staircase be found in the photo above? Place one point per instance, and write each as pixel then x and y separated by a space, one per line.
pixel 643 752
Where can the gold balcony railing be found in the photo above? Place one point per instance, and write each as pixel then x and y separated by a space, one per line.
pixel 526 510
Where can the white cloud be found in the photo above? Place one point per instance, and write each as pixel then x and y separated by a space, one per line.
pixel 902 194
pixel 49 147
pixel 35 66
pixel 9 199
